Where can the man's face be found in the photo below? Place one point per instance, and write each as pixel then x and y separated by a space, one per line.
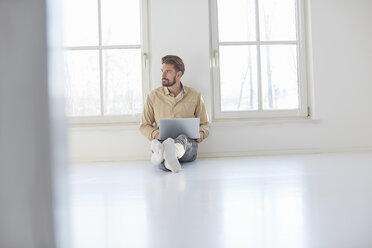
pixel 169 75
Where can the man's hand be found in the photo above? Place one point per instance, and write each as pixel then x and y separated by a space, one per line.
pixel 201 137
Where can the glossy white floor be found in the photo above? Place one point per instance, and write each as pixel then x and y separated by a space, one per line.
pixel 313 201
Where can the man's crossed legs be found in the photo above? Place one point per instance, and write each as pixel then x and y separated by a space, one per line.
pixel 170 153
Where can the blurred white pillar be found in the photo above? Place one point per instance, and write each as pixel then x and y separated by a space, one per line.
pixel 33 168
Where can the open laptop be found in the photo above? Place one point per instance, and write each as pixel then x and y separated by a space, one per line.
pixel 171 128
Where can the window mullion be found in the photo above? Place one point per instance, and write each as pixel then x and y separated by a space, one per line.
pixel 248 43
pixel 259 78
pixel 103 47
pixel 100 57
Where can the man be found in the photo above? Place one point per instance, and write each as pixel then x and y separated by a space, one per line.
pixel 173 100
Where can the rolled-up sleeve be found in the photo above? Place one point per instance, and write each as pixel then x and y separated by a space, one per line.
pixel 148 119
pixel 201 112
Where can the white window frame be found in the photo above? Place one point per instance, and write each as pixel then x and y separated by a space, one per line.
pixel 304 110
pixel 144 46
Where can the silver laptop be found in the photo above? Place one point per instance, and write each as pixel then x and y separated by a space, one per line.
pixel 171 128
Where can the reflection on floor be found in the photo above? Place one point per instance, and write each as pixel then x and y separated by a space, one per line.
pixel 299 201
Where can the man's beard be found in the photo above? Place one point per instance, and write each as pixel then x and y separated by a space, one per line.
pixel 166 83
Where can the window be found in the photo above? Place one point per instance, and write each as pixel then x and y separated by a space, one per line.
pixel 259 64
pixel 105 62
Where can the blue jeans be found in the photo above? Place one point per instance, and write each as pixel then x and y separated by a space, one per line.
pixel 191 150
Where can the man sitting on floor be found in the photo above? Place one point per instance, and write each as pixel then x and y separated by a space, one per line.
pixel 173 100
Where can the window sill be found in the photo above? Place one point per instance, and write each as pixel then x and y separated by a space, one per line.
pixel 120 121
pixel 262 121
pixel 103 121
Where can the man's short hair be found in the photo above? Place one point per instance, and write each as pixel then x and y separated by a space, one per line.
pixel 175 61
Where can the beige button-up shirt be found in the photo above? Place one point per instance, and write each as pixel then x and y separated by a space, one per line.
pixel 161 104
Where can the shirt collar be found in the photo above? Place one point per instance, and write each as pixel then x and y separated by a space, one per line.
pixel 167 92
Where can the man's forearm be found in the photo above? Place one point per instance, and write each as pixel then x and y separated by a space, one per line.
pixel 149 131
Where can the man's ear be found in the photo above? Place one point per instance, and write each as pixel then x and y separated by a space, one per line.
pixel 179 74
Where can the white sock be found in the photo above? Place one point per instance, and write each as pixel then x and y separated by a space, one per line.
pixel 157 149
pixel 170 157
pixel 180 150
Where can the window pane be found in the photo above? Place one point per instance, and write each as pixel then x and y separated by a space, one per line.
pixel 120 22
pixel 277 20
pixel 236 20
pixel 122 81
pixel 238 75
pixel 80 22
pixel 82 83
pixel 279 77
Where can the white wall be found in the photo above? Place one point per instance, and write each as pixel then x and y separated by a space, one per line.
pixel 342 58
pixel 32 151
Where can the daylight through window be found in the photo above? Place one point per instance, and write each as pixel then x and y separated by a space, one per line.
pixel 259 56
pixel 103 67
